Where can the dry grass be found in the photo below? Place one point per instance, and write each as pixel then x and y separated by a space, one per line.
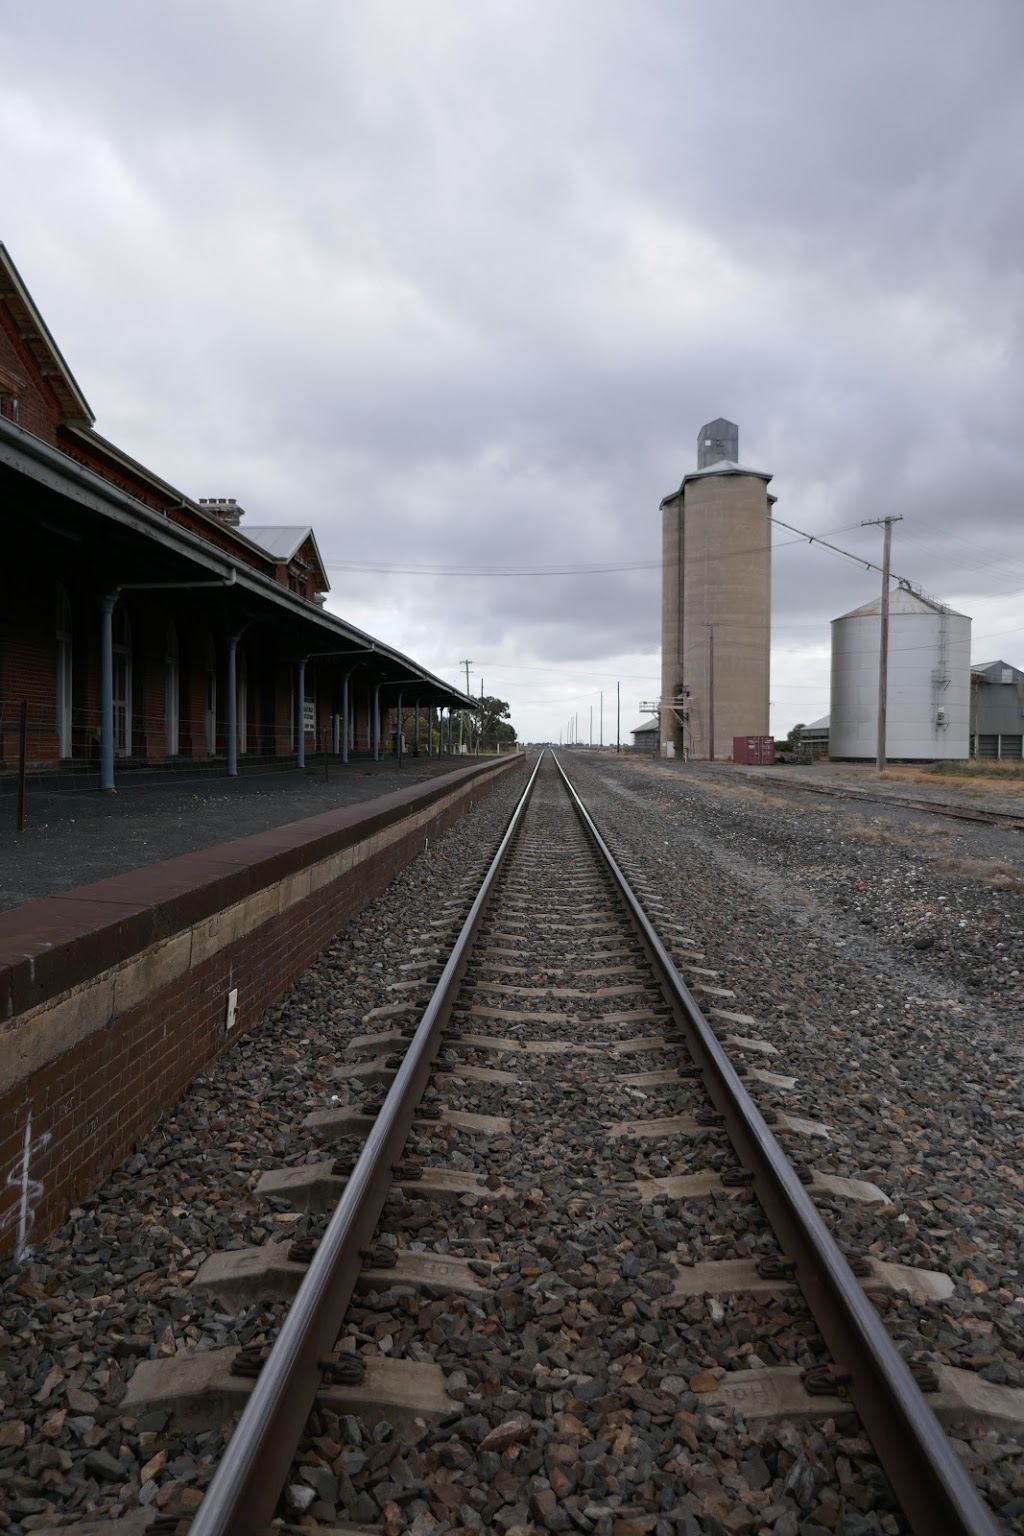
pixel 1006 778
pixel 722 791
pixel 881 832
pixel 1004 877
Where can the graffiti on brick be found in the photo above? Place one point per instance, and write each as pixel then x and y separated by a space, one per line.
pixel 28 1191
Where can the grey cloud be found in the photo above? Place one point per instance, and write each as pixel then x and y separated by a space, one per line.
pixel 459 284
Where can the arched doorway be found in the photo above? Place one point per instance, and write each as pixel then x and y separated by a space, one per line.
pixel 64 659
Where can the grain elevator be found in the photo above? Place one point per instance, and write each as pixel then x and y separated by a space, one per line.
pixel 715 602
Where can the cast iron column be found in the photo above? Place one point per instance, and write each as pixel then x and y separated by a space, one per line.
pixel 232 708
pixel 107 602
pixel 300 709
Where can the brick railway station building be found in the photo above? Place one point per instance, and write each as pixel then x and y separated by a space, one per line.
pixel 145 628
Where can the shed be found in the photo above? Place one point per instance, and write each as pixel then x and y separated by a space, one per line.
pixel 997 710
pixel 814 738
pixel 645 736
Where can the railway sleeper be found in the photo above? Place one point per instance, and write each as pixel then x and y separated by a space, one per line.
pixel 242 1277
pixel 313 1187
pixel 199 1391
pixel 148 1522
pixel 376 1072
pixel 728 1277
pixel 657 1128
pixel 698 1186
pixel 779 1392
pixel 333 1124
pixel 497 1043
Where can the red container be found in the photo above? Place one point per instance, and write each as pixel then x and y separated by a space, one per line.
pixel 753 749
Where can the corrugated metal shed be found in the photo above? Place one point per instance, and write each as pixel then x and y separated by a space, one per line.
pixel 997 710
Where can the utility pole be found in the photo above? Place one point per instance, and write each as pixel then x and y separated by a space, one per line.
pixel 600 740
pixel 591 725
pixel 711 693
pixel 462 712
pixel 883 637
pixel 618 719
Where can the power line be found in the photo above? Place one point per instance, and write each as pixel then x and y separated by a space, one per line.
pixel 477 571
pixel 379 568
pixel 813 538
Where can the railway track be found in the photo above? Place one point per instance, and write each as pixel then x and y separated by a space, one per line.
pixel 507 1259
pixel 990 816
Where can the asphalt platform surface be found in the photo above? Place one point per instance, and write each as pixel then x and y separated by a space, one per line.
pixel 75 834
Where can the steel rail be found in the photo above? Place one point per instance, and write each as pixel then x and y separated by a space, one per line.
pixel 933 1489
pixel 243 1493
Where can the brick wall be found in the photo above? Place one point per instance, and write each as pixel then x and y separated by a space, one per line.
pixel 37 408
pixel 113 996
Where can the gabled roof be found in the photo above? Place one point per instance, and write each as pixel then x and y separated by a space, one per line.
pixel 35 335
pixel 996 666
pixel 817 725
pixel 279 541
pixel 283 542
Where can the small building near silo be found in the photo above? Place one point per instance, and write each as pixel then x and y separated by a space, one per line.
pixel 997 710
pixel 929 689
pixel 814 738
pixel 645 736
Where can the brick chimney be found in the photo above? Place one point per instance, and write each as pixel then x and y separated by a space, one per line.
pixel 224 508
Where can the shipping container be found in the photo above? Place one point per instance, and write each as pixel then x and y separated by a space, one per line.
pixel 753 749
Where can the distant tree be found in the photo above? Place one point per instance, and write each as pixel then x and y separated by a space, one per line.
pixel 793 739
pixel 493 722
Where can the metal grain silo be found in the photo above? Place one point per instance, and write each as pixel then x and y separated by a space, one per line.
pixel 929 686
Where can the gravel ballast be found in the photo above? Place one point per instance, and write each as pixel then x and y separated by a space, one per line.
pixel 880 950
pixel 584 1403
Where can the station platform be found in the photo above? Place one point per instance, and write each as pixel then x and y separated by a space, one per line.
pixel 75 835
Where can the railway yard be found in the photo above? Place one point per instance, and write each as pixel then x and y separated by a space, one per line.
pixel 572 1309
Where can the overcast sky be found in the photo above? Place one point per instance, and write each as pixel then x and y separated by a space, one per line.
pixel 458 281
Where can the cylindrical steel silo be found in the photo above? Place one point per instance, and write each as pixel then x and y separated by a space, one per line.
pixel 929 681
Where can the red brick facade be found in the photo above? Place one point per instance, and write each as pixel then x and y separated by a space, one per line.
pixel 176 608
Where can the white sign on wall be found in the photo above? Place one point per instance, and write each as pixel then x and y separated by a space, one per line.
pixel 309 716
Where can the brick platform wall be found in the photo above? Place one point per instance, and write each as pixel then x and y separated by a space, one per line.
pixel 113 997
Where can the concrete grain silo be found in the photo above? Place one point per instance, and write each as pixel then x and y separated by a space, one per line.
pixel 715 602
pixel 928 695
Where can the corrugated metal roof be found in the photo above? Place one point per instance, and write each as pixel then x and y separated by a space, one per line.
pixel 723 467
pixel 818 725
pixel 901 601
pixel 281 542
pixel 996 666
